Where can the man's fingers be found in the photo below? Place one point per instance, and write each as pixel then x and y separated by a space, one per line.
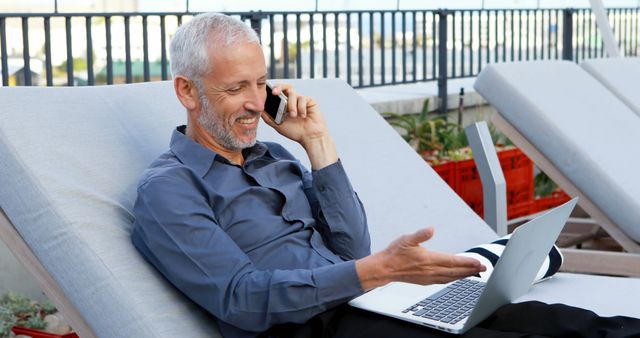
pixel 419 236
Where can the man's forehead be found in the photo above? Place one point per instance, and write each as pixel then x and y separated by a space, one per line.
pixel 241 62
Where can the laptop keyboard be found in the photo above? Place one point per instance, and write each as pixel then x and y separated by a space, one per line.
pixel 451 304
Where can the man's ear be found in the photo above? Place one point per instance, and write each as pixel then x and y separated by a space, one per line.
pixel 186 92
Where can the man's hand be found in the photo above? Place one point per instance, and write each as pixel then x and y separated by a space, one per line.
pixel 305 124
pixel 405 260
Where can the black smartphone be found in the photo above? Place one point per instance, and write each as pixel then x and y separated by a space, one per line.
pixel 275 105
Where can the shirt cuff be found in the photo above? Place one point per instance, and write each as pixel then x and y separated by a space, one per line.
pixel 338 282
pixel 332 182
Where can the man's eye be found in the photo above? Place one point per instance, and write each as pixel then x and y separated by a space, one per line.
pixel 234 90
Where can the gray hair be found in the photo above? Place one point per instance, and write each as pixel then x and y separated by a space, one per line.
pixel 189 46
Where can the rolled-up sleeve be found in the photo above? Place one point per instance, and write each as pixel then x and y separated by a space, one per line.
pixel 177 232
pixel 339 212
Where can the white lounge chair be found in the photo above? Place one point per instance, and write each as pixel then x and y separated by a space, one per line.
pixel 579 133
pixel 71 158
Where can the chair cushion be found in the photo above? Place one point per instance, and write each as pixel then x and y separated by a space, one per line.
pixel 620 75
pixel 574 121
pixel 71 159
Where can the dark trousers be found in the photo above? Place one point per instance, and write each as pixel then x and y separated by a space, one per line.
pixel 529 319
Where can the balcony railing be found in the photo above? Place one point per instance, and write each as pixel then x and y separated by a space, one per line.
pixel 365 48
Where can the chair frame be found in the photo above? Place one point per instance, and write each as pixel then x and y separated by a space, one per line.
pixel 27 258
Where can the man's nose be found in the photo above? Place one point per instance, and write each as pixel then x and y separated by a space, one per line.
pixel 255 99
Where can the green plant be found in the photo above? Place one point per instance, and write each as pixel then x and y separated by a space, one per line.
pixel 543 185
pixel 435 138
pixel 16 309
pixel 427 133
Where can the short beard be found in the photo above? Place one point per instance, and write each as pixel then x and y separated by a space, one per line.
pixel 212 123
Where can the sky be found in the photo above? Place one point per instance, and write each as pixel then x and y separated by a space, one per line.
pixel 288 5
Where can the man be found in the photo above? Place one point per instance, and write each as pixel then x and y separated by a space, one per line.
pixel 240 226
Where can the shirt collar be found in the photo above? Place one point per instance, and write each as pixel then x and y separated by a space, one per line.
pixel 200 158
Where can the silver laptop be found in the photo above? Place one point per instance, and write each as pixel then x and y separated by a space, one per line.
pixel 458 306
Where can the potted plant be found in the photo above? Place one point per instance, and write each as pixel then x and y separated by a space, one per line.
pixel 444 146
pixel 21 315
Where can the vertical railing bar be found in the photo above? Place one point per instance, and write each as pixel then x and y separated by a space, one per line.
pixel 599 50
pixel 584 34
pixel 414 68
pixel 637 30
pixel 285 45
pixel 618 30
pixel 542 33
pixel 623 33
pixel 180 20
pixel 67 26
pixel 107 22
pixel 324 44
pixel 145 49
pixel 424 45
pixel 627 25
pixel 433 45
pixel 4 56
pixel 312 49
pixel 513 36
pixel 442 60
pixel 535 34
pixel 504 36
pixel 336 27
pixel 453 44
pixel 383 65
pixel 90 75
pixel 25 51
pixel 553 33
pixel 557 42
pixel 163 48
pixel 520 35
pixel 360 56
pixel 480 40
pixel 590 49
pixel 348 48
pixel 404 47
pixel 526 33
pixel 299 49
pixel 127 48
pixel 471 42
pixel 462 47
pixel 393 47
pixel 47 50
pixel 371 50
pixel 488 43
pixel 496 30
pixel 272 56
pixel 26 57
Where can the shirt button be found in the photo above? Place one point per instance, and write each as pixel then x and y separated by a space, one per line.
pixel 322 188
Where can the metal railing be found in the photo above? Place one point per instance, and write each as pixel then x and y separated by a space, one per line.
pixel 365 48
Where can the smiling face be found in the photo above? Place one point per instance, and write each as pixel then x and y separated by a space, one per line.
pixel 233 96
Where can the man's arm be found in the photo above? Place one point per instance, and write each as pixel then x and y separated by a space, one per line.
pixel 339 213
pixel 337 209
pixel 177 231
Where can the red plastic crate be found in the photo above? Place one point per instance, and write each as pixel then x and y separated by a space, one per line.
pixel 33 333
pixel 519 209
pixel 551 201
pixel 447 172
pixel 518 173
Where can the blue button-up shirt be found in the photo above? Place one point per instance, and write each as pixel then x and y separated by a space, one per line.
pixel 256 245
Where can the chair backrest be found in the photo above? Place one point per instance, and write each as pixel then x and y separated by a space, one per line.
pixel 71 158
pixel 620 75
pixel 576 123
